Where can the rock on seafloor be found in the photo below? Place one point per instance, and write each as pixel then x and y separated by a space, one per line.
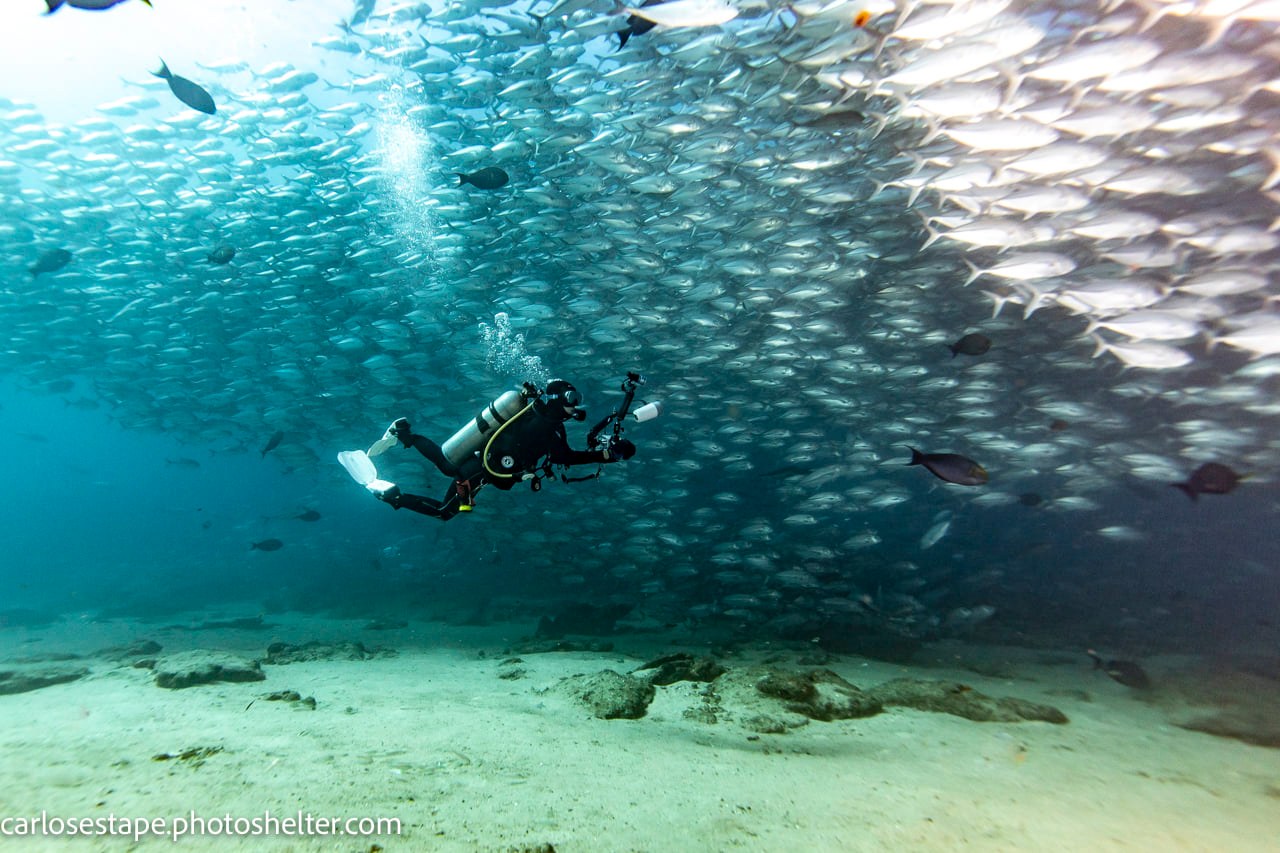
pixel 610 695
pixel 24 678
pixel 201 666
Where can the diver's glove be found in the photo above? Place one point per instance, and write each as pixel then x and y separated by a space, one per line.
pixel 400 429
pixel 619 449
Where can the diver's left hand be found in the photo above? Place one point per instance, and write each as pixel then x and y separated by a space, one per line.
pixel 619 449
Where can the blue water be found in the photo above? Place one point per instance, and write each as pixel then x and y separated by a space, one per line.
pixel 100 521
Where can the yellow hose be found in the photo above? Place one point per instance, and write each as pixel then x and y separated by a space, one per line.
pixel 484 457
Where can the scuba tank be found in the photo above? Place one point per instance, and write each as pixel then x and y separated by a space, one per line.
pixel 467 441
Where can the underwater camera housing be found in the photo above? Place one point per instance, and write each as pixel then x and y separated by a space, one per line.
pixel 647 412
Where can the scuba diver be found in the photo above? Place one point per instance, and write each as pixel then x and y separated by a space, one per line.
pixel 519 436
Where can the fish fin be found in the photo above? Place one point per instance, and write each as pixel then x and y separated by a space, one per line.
pixel 881 122
pixel 1217 29
pixel 881 39
pixel 1186 489
pixel 962 202
pixel 934 235
pixel 1097 661
pixel 934 130
pixel 974 272
pixel 1273 155
pixel 955 351
pixel 1035 298
pixel 54 5
pixel 148 3
pixel 998 301
pixel 1012 82
pixel 164 71
pixel 623 35
pixel 917 457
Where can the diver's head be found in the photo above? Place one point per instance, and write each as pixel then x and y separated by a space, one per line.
pixel 560 402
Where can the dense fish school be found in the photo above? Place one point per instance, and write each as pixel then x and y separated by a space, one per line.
pixel 784 220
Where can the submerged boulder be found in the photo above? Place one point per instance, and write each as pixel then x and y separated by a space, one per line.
pixel 137 650
pixel 819 694
pixel 1251 725
pixel 25 678
pixel 952 697
pixel 188 669
pixel 610 695
pixel 681 666
pixel 314 650
pixel 771 700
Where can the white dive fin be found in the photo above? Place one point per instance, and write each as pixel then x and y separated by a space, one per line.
pixel 359 466
pixel 383 444
pixel 379 487
pixel 361 469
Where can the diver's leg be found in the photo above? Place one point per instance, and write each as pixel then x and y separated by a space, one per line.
pixel 432 451
pixel 449 505
pixel 416 503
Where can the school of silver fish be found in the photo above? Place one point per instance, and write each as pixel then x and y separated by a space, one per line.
pixel 782 213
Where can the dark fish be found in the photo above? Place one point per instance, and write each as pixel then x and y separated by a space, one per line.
pixel 1126 672
pixel 182 462
pixel 1030 499
pixel 51 261
pixel 59 386
pixel 186 91
pixel 973 344
pixel 1058 425
pixel 1209 479
pixel 221 255
pixel 91 5
pixel 308 515
pixel 273 442
pixel 951 467
pixel 267 545
pixel 489 178
pixel 636 26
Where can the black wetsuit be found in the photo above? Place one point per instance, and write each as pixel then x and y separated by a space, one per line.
pixel 520 448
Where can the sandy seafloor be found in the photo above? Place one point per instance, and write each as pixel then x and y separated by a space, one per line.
pixel 469 761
